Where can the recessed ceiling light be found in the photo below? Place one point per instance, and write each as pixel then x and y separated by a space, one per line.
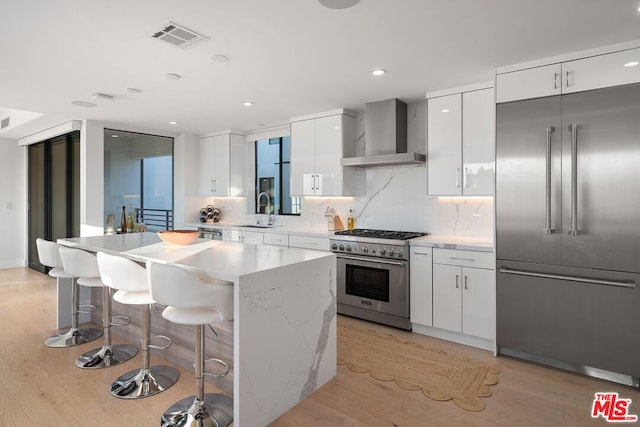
pixel 247 103
pixel 83 104
pixel 114 136
pixel 378 72
pixel 172 76
pixel 446 110
pixel 172 122
pixel 133 90
pixel 338 4
pixel 219 58
pixel 631 64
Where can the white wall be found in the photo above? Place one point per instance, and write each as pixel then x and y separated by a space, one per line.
pixel 13 205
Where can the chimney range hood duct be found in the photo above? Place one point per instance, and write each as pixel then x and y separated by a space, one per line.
pixel 386 136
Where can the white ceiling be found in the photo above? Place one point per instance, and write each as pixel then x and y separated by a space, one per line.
pixel 289 57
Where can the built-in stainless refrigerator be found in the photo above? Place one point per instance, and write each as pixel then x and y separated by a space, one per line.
pixel 568 231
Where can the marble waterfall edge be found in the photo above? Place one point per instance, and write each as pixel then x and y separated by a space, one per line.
pixel 293 307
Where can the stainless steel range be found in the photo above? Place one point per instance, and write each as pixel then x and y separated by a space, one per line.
pixel 373 274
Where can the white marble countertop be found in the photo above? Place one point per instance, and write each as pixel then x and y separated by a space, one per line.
pixel 225 260
pixel 454 242
pixel 276 229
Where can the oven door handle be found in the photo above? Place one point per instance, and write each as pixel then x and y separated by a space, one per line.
pixel 376 260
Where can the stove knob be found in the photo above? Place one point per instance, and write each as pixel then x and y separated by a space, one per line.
pixel 399 253
pixel 341 247
pixel 391 252
pixel 348 248
pixel 365 249
pixel 334 246
pixel 383 251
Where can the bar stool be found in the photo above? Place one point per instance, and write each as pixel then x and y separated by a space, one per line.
pixel 130 281
pixel 49 255
pixel 84 266
pixel 193 300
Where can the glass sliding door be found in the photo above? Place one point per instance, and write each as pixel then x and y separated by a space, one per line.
pixel 54 191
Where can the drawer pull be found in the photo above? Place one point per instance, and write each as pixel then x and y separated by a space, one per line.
pixel 421 253
pixel 461 259
pixel 310 243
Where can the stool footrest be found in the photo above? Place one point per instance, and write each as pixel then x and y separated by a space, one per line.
pixel 91 308
pixel 160 347
pixel 120 321
pixel 221 362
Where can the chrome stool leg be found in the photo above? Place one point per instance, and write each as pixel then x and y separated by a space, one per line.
pixel 148 380
pixel 75 335
pixel 206 410
pixel 107 355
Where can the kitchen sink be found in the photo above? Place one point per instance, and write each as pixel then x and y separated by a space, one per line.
pixel 257 226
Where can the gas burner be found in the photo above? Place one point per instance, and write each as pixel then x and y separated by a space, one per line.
pixel 380 234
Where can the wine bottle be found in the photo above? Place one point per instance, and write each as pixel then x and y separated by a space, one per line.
pixel 351 221
pixel 123 221
pixel 130 220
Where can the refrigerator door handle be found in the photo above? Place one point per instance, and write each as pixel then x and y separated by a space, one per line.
pixel 619 283
pixel 457 177
pixel 573 229
pixel 547 208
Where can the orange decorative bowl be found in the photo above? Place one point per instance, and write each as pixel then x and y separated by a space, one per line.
pixel 179 237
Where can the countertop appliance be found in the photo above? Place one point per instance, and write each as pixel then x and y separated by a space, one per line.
pixel 373 274
pixel 568 231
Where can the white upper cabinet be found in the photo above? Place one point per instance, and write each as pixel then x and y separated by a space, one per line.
pixel 531 83
pixel 593 72
pixel 601 71
pixel 444 145
pixel 478 142
pixel 460 143
pixel 317 146
pixel 221 165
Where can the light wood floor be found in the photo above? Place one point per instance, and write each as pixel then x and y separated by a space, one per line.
pixel 42 386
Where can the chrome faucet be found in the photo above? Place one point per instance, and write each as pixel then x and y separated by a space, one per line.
pixel 270 220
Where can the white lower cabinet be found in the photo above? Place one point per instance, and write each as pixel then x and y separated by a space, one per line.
pixel 250 237
pixel 309 242
pixel 276 239
pixel 464 292
pixel 420 279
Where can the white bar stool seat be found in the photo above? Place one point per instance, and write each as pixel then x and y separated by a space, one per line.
pixel 49 255
pixel 198 301
pixel 84 265
pixel 130 281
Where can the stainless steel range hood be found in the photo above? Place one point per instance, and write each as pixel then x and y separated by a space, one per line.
pixel 386 136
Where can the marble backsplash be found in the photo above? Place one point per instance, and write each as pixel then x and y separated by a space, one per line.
pixel 387 197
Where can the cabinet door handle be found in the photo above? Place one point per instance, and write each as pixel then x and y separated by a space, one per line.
pixel 547 217
pixel 556 77
pixel 215 185
pixel 465 178
pixel 212 190
pixel 457 281
pixel 465 283
pixel 457 177
pixel 567 74
pixel 573 230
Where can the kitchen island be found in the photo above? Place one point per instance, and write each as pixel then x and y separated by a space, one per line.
pixel 284 328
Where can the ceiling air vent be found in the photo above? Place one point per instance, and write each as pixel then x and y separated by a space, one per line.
pixel 177 35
